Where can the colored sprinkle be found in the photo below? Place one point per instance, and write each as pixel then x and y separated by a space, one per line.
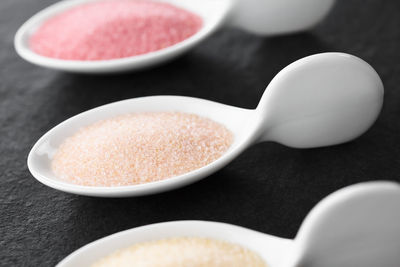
pixel 140 148
pixel 111 29
pixel 183 252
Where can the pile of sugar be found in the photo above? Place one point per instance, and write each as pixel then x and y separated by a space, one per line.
pixel 183 252
pixel 111 29
pixel 139 148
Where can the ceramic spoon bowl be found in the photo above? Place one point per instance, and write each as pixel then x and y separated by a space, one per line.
pixel 355 226
pixel 321 100
pixel 258 16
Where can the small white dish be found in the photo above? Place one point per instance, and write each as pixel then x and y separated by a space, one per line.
pixel 259 16
pixel 320 100
pixel 355 226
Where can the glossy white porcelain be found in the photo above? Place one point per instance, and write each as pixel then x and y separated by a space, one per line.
pixel 320 100
pixel 356 226
pixel 259 16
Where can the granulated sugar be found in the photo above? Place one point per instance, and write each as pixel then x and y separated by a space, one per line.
pixel 111 29
pixel 139 148
pixel 183 252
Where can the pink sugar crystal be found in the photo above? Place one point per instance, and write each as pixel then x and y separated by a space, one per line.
pixel 139 148
pixel 112 29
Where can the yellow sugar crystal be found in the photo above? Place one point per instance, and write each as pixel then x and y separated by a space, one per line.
pixel 183 252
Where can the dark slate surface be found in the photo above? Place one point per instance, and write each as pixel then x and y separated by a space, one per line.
pixel 270 188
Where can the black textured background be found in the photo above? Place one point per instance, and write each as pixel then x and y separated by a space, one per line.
pixel 269 188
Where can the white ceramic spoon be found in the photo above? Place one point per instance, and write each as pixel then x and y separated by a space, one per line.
pixel 265 17
pixel 320 100
pixel 358 226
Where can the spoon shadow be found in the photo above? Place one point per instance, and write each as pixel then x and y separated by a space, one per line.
pixel 72 94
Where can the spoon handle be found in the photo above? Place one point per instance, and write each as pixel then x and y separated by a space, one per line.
pixel 271 17
pixel 321 100
pixel 356 226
